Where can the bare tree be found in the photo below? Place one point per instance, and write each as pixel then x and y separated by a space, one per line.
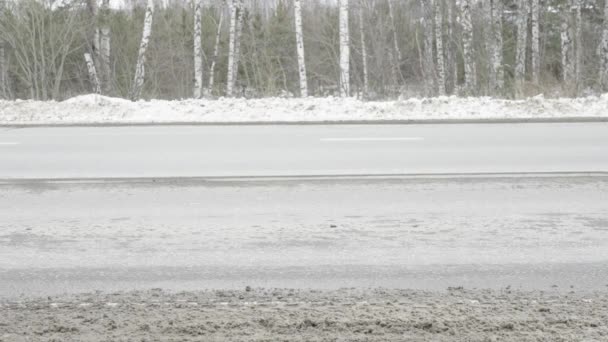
pixel 497 74
pixel 363 50
pixel 604 52
pixel 138 82
pixel 428 65
pixel 104 47
pixel 470 71
pixel 198 49
pixel 567 46
pixel 232 48
pixel 92 73
pixel 522 37
pixel 579 46
pixel 535 41
pixel 344 49
pixel 216 51
pixel 297 6
pixel 4 91
pixel 398 54
pixel 441 77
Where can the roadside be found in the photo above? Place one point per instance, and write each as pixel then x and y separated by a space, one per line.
pixel 309 315
pixel 101 110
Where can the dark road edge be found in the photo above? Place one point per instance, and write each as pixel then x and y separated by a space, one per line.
pixel 318 123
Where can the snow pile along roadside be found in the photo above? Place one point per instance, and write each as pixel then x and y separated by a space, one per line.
pixel 96 109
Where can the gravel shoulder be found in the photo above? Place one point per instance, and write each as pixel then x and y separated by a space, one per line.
pixel 310 315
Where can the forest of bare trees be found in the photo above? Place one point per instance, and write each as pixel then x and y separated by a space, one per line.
pixel 372 49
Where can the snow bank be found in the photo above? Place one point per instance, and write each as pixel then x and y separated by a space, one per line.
pixel 95 109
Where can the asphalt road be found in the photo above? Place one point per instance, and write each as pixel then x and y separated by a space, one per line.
pixel 180 233
pixel 251 151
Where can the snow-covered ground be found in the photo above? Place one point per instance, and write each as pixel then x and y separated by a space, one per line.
pixel 100 109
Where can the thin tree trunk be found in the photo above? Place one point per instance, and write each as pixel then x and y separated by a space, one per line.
pixel 363 51
pixel 470 72
pixel 231 49
pixel 104 48
pixel 216 52
pixel 344 50
pixel 497 74
pixel 92 73
pixel 138 82
pixel 535 42
pixel 398 54
pixel 451 54
pixel 522 38
pixel 297 6
pixel 567 47
pixel 198 50
pixel 237 40
pixel 579 47
pixel 604 52
pixel 441 78
pixel 428 65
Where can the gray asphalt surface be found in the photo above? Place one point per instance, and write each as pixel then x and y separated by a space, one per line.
pixel 228 151
pixel 430 232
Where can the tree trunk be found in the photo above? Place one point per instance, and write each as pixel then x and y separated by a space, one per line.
pixel 579 47
pixel 237 40
pixel 92 73
pixel 231 49
pixel 497 74
pixel 451 55
pixel 567 47
pixel 138 82
pixel 428 65
pixel 441 78
pixel 198 50
pixel 297 6
pixel 604 53
pixel 536 42
pixel 216 52
pixel 522 38
pixel 104 48
pixel 363 51
pixel 470 71
pixel 344 50
pixel 398 54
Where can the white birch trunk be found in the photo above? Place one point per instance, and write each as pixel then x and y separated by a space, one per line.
pixel 3 65
pixel 522 38
pixel 344 50
pixel 497 75
pixel 138 82
pixel 567 47
pixel 104 48
pixel 579 46
pixel 470 72
pixel 441 78
pixel 198 50
pixel 216 52
pixel 231 49
pixel 451 55
pixel 535 41
pixel 297 7
pixel 363 51
pixel 604 52
pixel 398 54
pixel 92 73
pixel 237 40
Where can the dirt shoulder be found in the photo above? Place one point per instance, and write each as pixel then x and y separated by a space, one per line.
pixel 308 315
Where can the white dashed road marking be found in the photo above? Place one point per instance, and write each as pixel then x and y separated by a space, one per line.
pixel 370 139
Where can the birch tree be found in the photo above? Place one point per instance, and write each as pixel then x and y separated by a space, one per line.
pixel 104 47
pixel 363 50
pixel 428 65
pixel 216 52
pixel 344 49
pixel 604 52
pixel 522 38
pixel 237 40
pixel 297 7
pixel 198 49
pixel 470 71
pixel 535 21
pixel 231 48
pixel 138 82
pixel 4 91
pixel 579 46
pixel 497 74
pixel 441 78
pixel 92 73
pixel 398 54
pixel 567 46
